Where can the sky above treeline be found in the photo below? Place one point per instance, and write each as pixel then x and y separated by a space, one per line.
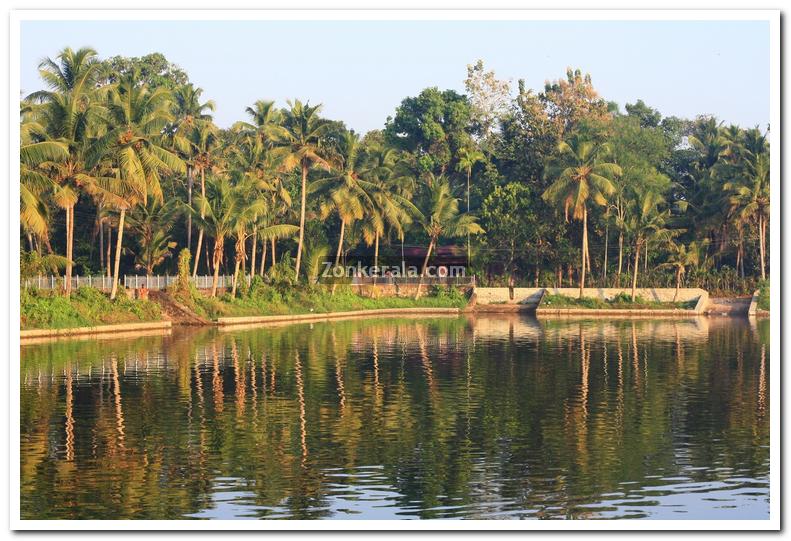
pixel 361 70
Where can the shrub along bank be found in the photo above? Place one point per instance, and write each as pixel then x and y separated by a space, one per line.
pixel 262 299
pixel 622 301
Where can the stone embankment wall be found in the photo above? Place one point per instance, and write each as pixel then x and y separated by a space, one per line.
pixel 530 297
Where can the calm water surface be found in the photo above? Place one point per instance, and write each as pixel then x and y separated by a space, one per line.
pixel 491 417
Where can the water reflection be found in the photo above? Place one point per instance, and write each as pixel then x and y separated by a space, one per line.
pixel 486 417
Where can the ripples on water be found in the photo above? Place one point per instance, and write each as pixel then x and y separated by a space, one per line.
pixel 492 417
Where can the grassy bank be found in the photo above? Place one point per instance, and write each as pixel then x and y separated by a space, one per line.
pixel 619 302
pixel 86 307
pixel 267 300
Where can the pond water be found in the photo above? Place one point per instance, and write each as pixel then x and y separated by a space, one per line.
pixel 480 417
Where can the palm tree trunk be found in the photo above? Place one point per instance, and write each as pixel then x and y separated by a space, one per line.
pixel 109 244
pixel 189 202
pixel 338 253
pixel 218 246
pixel 301 217
pixel 376 251
pixel 252 255
pixel 197 252
pixel 741 251
pixel 274 251
pixel 739 259
pixel 200 233
pixel 636 267
pixel 620 259
pixel 206 255
pixel 69 240
pixel 101 246
pixel 584 247
pixel 762 242
pixel 604 268
pixel 118 242
pixel 235 277
pixel 263 255
pixel 239 257
pixel 423 270
pixel 678 283
pixel 340 243
pixel 469 174
pixel 376 256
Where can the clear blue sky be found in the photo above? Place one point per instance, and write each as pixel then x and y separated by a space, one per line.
pixel 361 70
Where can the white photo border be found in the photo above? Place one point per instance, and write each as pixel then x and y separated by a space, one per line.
pixel 771 16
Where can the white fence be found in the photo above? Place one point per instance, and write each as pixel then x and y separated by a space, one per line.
pixel 129 281
pixel 156 282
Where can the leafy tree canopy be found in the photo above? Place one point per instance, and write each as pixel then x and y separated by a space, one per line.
pixel 434 126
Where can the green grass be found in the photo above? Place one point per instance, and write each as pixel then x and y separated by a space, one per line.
pixel 87 307
pixel 265 300
pixel 621 302
pixel 763 295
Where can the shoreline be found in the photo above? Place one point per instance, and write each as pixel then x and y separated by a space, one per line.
pixel 31 336
pixel 325 316
pixel 164 327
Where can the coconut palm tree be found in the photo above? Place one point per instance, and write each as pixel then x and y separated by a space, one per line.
pixel 645 222
pixel 190 114
pixel 393 209
pixel 346 192
pixel 34 184
pixel 581 176
pixel 205 144
pixel 217 212
pixel 253 158
pixel 228 211
pixel 467 160
pixel 265 120
pixel 131 152
pixel 151 224
pixel 682 256
pixel 299 143
pixel 68 110
pixel 441 219
pixel 749 198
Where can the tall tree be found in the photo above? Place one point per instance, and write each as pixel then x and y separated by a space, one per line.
pixel 681 256
pixel 749 198
pixel 299 144
pixel 467 160
pixel 191 114
pixel 645 222
pixel 151 224
pixel 433 126
pixel 35 154
pixel 580 176
pixel 131 152
pixel 68 113
pixel 205 143
pixel 490 99
pixel 441 218
pixel 346 192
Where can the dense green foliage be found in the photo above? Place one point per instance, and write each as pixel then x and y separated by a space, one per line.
pixel 86 308
pixel 122 166
pixel 764 300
